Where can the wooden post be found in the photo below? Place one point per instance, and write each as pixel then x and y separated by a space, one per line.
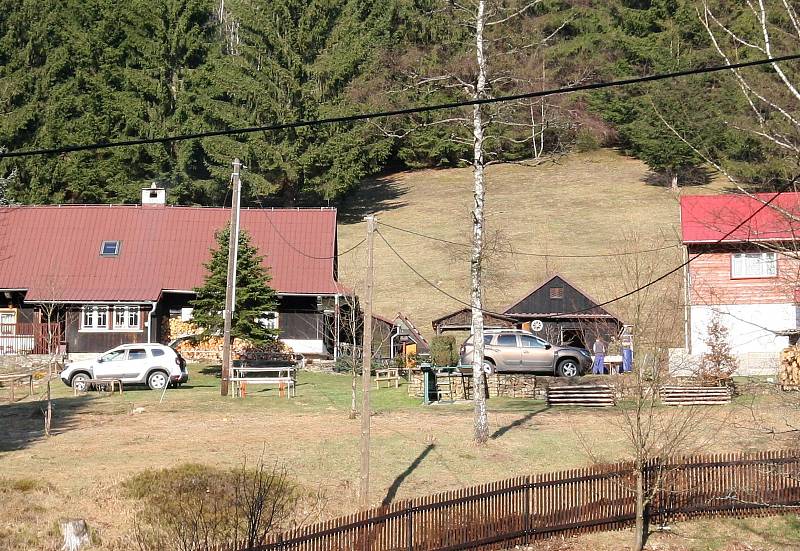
pixel 230 288
pixel 366 365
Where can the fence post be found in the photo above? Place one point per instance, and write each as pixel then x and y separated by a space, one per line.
pixel 527 509
pixel 410 528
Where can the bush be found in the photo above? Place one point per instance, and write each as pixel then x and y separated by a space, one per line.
pixel 443 351
pixel 200 508
pixel 718 365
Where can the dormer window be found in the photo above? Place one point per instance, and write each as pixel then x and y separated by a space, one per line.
pixel 109 248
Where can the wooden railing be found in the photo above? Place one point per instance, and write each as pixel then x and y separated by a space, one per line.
pixel 598 498
pixel 29 338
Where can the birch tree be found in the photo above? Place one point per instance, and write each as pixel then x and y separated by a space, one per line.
pixel 480 57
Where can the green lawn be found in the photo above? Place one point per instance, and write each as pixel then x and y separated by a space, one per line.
pixel 101 441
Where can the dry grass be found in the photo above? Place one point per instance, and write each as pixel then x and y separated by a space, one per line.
pixel 585 204
pixel 100 443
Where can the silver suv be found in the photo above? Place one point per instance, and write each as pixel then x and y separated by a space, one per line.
pixel 155 365
pixel 517 351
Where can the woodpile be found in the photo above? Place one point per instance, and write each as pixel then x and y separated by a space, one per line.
pixel 210 348
pixel 789 370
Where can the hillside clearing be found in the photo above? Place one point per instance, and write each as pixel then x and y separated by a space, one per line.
pixel 598 202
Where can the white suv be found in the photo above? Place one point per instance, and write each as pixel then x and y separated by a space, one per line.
pixel 155 365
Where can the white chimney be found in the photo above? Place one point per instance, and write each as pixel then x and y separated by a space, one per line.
pixel 154 196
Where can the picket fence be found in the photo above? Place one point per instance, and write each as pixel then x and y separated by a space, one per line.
pixel 598 498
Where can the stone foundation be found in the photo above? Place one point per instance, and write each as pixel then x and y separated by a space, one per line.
pixel 28 363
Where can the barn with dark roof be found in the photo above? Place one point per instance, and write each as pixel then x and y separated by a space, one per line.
pixel 555 309
pixel 119 272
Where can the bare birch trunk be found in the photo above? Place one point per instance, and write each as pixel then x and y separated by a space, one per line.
pixel 481 420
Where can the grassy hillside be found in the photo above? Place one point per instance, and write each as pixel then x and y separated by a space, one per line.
pixel 598 202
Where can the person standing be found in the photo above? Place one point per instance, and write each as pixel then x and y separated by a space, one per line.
pixel 599 349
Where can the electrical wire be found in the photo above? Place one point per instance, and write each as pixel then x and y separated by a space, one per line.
pixel 303 253
pixel 393 112
pixel 523 253
pixel 639 289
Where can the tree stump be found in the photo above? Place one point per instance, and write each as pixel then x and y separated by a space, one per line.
pixel 76 534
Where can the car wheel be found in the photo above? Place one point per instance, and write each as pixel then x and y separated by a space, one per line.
pixel 78 382
pixel 488 367
pixel 568 368
pixel 157 380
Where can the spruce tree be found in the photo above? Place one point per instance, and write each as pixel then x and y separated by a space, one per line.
pixel 254 297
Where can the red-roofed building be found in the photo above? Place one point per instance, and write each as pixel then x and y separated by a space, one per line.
pixel 744 269
pixel 121 271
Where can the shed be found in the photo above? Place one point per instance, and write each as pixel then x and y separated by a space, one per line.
pixel 461 320
pixel 556 310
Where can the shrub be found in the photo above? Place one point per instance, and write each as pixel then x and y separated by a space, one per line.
pixel 199 508
pixel 444 352
pixel 718 364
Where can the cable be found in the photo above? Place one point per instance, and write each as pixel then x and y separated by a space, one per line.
pixel 522 253
pixel 429 282
pixel 393 112
pixel 295 249
pixel 764 205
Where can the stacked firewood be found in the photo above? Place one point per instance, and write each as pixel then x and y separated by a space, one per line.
pixel 789 371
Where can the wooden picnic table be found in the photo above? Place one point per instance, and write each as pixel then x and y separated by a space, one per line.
pixel 282 375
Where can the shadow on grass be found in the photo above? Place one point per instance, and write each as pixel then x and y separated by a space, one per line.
pixel 521 421
pixel 22 424
pixel 215 370
pixel 374 194
pixel 392 492
pixel 691 177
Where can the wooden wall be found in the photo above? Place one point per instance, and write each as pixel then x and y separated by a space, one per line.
pixel 711 281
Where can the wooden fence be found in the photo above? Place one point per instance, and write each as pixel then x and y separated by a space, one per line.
pixel 29 338
pixel 525 509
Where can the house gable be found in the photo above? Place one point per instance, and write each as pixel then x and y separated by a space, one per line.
pixel 556 297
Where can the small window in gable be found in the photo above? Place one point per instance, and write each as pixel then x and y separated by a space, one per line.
pixel 556 292
pixel 109 248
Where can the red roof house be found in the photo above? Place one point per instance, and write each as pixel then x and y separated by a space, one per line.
pixel 148 259
pixel 743 270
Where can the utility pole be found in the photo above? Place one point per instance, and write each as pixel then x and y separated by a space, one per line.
pixel 366 353
pixel 230 287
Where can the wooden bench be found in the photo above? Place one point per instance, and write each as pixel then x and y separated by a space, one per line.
pixel 100 385
pixel 389 375
pixel 282 376
pixel 581 395
pixel 695 395
pixel 12 379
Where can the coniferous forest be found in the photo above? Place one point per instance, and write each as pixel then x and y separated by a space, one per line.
pixel 83 71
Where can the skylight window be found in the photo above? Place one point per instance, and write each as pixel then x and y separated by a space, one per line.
pixel 109 248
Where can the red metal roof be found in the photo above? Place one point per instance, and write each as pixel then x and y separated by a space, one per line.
pixel 54 251
pixel 709 218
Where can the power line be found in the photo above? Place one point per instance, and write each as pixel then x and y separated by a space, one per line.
pixel 647 285
pixel 523 253
pixel 393 112
pixel 303 253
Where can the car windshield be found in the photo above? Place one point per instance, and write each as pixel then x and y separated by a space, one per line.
pixel 112 356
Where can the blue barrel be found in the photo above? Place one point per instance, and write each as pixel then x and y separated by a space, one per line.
pixel 627 360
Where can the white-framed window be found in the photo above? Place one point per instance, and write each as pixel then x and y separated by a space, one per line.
pixel 8 321
pixel 126 318
pixel 269 320
pixel 744 265
pixel 94 317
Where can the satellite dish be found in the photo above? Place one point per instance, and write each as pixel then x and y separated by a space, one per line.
pixel 537 325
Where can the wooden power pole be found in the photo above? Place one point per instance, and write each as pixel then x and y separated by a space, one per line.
pixel 230 287
pixel 366 353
